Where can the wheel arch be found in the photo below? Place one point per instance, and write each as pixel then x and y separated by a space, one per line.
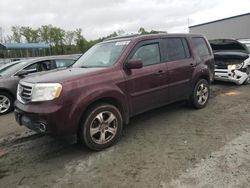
pixel 113 101
pixel 4 90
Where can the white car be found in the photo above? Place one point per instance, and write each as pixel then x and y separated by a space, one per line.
pixel 232 61
pixel 246 42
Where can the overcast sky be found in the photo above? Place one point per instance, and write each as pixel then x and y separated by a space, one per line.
pixel 99 18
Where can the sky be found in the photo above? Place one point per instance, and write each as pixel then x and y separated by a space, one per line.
pixel 99 18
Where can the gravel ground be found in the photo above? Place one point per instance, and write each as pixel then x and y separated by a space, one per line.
pixel 174 146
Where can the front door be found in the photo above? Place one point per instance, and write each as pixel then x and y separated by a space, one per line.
pixel 147 86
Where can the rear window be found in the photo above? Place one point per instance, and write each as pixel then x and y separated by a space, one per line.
pixel 175 49
pixel 201 46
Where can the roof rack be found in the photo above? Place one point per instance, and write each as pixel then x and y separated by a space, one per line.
pixel 122 37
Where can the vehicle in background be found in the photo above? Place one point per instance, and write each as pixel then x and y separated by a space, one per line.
pixel 246 42
pixel 232 61
pixel 11 73
pixel 113 81
pixel 8 65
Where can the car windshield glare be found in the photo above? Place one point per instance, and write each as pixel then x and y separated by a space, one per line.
pixel 102 55
pixel 12 69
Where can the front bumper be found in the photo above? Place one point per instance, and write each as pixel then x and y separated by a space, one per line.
pixel 236 76
pixel 43 118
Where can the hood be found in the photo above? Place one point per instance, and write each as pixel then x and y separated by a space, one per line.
pixel 228 45
pixel 230 56
pixel 61 76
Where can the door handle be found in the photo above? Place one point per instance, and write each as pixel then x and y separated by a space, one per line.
pixel 192 64
pixel 160 72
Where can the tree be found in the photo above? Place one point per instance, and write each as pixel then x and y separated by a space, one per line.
pixel 30 35
pixel 142 31
pixel 44 33
pixel 16 36
pixel 81 43
pixel 69 37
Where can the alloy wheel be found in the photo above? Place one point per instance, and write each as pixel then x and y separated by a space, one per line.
pixel 202 94
pixel 4 104
pixel 103 127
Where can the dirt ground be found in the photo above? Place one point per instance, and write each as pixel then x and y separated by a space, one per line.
pixel 174 146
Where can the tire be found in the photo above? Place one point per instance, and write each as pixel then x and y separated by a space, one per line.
pixel 200 94
pixel 101 127
pixel 6 103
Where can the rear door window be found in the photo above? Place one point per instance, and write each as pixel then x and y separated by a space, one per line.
pixel 201 46
pixel 175 49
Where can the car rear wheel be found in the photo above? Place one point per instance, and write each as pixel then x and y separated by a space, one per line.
pixel 6 103
pixel 101 127
pixel 200 95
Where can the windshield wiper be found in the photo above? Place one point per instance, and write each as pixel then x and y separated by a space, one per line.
pixel 84 67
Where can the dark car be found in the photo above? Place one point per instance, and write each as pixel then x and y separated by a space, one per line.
pixel 113 81
pixel 11 73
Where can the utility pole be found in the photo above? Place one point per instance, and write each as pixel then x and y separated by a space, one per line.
pixel 1 34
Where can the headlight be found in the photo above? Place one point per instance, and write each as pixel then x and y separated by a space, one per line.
pixel 46 92
pixel 236 66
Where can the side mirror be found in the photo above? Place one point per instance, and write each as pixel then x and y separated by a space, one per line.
pixel 134 64
pixel 21 73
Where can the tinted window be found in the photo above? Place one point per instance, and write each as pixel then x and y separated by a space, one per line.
pixel 201 46
pixel 174 49
pixel 187 50
pixel 39 66
pixel 149 54
pixel 31 67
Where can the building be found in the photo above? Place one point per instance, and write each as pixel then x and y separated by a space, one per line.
pixel 18 50
pixel 237 27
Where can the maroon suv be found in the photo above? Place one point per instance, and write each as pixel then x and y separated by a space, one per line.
pixel 113 81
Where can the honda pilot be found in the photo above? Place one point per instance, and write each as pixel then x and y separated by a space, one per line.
pixel 114 81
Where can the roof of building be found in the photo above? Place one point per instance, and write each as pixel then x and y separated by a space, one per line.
pixel 12 46
pixel 220 20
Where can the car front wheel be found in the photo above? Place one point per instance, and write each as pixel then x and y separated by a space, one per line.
pixel 101 127
pixel 6 103
pixel 200 94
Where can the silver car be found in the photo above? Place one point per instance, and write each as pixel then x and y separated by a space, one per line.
pixel 10 75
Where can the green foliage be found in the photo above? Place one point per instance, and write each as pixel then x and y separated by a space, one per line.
pixel 142 31
pixel 61 41
pixel 17 35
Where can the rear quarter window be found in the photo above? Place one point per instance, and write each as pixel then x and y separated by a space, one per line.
pixel 201 46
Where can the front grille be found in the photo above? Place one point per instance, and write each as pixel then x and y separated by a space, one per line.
pixel 221 66
pixel 24 92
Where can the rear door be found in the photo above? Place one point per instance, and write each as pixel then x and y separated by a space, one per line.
pixel 180 66
pixel 147 86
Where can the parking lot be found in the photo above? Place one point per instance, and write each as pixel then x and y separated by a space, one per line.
pixel 173 146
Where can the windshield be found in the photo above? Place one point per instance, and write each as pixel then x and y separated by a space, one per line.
pixel 248 47
pixel 12 69
pixel 102 55
pixel 8 65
